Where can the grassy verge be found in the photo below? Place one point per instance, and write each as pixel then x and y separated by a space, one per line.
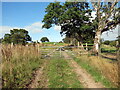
pixel 108 49
pixel 60 74
pixel 96 74
pixel 19 62
pixel 52 43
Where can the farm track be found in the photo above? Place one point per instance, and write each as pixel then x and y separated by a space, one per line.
pixel 39 80
pixel 84 77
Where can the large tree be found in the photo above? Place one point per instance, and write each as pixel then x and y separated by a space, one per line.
pixel 73 17
pixel 107 18
pixel 17 36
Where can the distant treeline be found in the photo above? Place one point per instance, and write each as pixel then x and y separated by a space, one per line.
pixel 111 43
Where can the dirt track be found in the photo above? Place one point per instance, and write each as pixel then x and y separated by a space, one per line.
pixel 39 80
pixel 84 77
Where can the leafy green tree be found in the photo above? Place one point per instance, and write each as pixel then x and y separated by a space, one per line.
pixel 44 39
pixel 17 36
pixel 7 38
pixel 73 17
pixel 60 42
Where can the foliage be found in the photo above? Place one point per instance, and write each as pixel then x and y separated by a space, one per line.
pixel 113 43
pixel 60 42
pixel 17 36
pixel 73 17
pixel 7 38
pixel 44 39
pixel 107 42
pixel 66 40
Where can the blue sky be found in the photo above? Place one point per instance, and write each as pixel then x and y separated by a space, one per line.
pixel 29 15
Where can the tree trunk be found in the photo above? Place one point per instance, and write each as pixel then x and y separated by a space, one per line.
pixel 97 43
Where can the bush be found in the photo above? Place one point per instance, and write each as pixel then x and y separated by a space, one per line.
pixel 113 43
pixel 107 42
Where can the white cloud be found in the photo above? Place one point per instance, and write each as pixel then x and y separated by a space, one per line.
pixel 111 34
pixel 5 29
pixel 33 28
pixel 57 28
pixel 93 14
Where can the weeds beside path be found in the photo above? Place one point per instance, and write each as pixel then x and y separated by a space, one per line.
pixel 84 77
pixel 39 80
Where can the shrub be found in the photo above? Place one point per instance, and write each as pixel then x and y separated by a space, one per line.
pixel 113 43
pixel 107 42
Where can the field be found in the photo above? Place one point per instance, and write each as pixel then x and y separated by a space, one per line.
pixel 41 67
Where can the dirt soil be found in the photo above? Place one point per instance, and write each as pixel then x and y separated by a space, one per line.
pixel 39 80
pixel 83 76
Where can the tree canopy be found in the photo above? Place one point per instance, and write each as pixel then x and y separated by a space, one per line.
pixel 44 39
pixel 73 17
pixel 17 36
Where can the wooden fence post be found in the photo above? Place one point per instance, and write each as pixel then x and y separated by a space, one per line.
pixel 78 44
pixel 38 47
pixel 86 47
pixel 11 44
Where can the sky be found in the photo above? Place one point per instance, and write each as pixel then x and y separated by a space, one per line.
pixel 29 16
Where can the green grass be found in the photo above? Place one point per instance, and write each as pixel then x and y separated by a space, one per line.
pixel 48 42
pixel 95 73
pixel 57 43
pixel 108 49
pixel 89 44
pixel 98 77
pixel 61 75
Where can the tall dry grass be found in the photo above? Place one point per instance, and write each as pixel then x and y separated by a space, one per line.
pixel 108 69
pixel 18 64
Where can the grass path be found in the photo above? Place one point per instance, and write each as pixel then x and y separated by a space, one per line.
pixel 84 77
pixel 60 74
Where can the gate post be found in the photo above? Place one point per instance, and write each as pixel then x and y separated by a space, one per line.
pixel 78 44
pixel 86 47
pixel 60 51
